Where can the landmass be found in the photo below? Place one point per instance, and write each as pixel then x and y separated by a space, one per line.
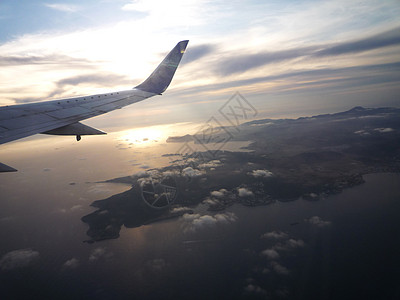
pixel 287 159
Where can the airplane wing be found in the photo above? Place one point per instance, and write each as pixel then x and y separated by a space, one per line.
pixel 61 117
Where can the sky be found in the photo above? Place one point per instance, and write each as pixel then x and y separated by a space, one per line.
pixel 287 58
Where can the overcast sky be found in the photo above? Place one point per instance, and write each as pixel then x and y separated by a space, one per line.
pixel 285 57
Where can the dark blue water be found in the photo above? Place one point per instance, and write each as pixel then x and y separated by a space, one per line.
pixel 350 249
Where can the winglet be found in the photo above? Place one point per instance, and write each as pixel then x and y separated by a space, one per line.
pixel 5 168
pixel 160 79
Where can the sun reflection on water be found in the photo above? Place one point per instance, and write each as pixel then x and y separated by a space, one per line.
pixel 143 136
pixel 153 135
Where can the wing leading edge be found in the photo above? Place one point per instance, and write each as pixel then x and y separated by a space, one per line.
pixel 61 117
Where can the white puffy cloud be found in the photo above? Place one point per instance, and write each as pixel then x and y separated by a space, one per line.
pixel 169 173
pixel 211 164
pixel 189 171
pixel 72 263
pixel 210 201
pixel 140 174
pixel 18 259
pixel 180 209
pixel 190 217
pixel 271 254
pixel 251 288
pixel 278 268
pixel 383 130
pixel 317 221
pixel 194 222
pixel 98 253
pixel 260 173
pixel 76 207
pixel 292 243
pixel 244 192
pixel 219 193
pixel 274 235
pixel 289 244
pixel 99 188
pixel 361 132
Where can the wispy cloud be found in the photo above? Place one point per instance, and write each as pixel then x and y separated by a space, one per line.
pixel 108 80
pixel 23 60
pixel 233 64
pixel 244 62
pixel 62 7
pixel 197 52
pixel 383 39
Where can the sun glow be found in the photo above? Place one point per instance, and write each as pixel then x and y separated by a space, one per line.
pixel 146 136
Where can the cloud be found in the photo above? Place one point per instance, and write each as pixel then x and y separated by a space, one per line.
pixel 274 235
pixel 219 194
pixel 244 192
pixel 271 254
pixel 189 171
pixel 196 52
pixel 234 64
pixel 18 259
pixel 99 188
pixel 383 130
pixel 62 7
pixel 244 62
pixel 260 173
pixel 362 132
pixel 104 80
pixel 307 79
pixel 317 221
pixel 211 164
pixel 173 13
pixel 194 222
pixel 278 268
pixel 251 288
pixel 180 209
pixel 98 253
pixel 72 263
pixel 289 244
pixel 141 174
pixel 50 59
pixel 76 207
pixel 383 39
pixel 292 243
